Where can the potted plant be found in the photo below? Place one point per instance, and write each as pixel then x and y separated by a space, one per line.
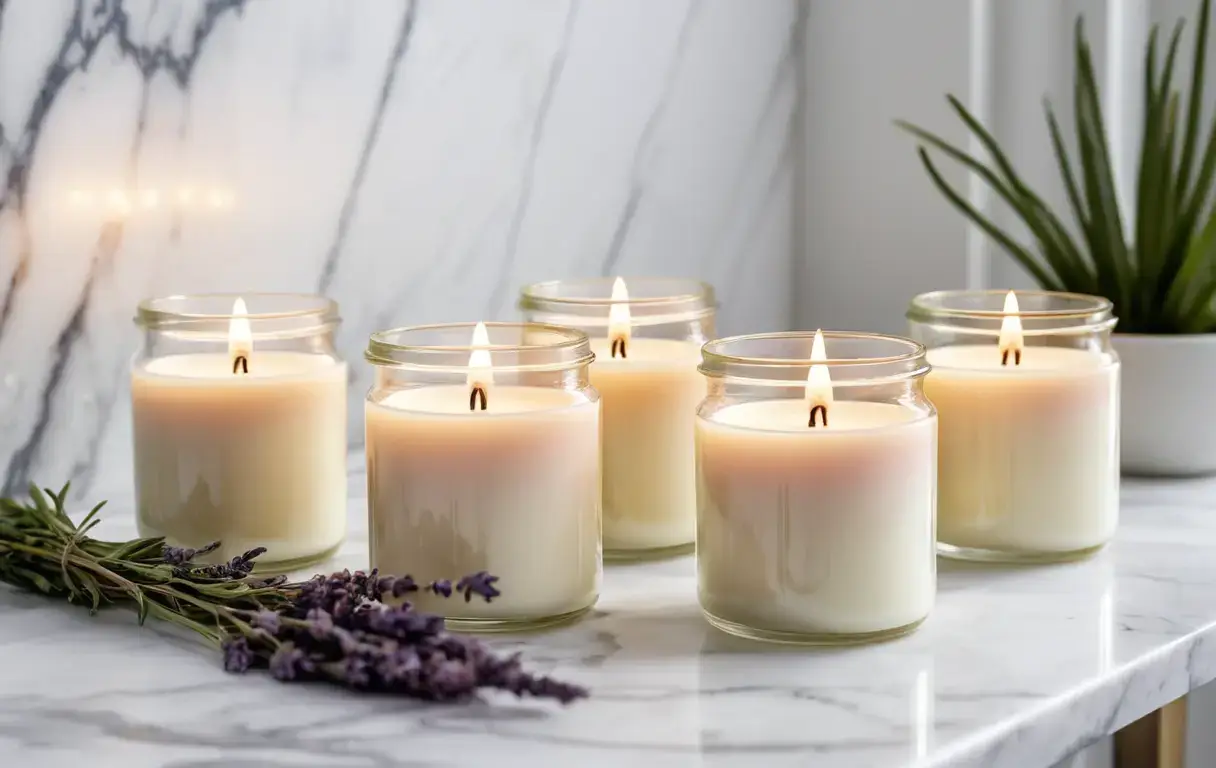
pixel 1161 277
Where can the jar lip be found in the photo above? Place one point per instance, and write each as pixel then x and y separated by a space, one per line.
pixel 534 295
pixel 924 306
pixel 916 350
pixel 384 351
pixel 156 311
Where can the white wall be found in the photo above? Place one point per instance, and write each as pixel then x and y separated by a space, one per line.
pixel 873 233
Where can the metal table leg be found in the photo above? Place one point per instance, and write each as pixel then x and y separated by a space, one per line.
pixel 1157 740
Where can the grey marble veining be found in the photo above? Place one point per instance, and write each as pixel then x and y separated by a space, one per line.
pixel 415 159
pixel 1015 668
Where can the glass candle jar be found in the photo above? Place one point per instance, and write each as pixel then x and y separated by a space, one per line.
pixel 239 412
pixel 1027 391
pixel 647 335
pixel 816 477
pixel 483 454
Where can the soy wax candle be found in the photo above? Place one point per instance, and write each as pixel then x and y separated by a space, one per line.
pixel 483 454
pixel 1026 386
pixel 647 335
pixel 816 465
pixel 238 408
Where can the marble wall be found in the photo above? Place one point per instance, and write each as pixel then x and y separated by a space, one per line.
pixel 415 160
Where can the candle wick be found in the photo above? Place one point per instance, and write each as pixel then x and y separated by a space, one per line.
pixel 822 410
pixel 1017 357
pixel 621 344
pixel 473 397
pixel 242 363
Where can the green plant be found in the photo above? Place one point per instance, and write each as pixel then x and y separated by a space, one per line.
pixel 1162 279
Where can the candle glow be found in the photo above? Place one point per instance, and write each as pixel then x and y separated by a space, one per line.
pixel 240 337
pixel 1010 339
pixel 818 382
pixel 618 318
pixel 481 368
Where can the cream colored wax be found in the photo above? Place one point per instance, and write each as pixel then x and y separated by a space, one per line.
pixel 513 490
pixel 1029 453
pixel 816 532
pixel 650 400
pixel 250 459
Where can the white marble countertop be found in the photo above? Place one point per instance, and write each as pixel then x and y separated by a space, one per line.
pixel 1016 667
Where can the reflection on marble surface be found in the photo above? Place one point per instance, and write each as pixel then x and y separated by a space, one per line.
pixel 417 160
pixel 1016 667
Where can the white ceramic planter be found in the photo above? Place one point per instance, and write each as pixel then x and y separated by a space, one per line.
pixel 1168 401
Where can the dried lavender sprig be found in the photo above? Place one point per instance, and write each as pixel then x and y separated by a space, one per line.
pixel 338 631
pixel 334 628
pixel 180 555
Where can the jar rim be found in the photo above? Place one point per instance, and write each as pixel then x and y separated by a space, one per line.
pixel 546 292
pixel 155 311
pixel 935 304
pixel 709 352
pixel 383 350
pixel 908 363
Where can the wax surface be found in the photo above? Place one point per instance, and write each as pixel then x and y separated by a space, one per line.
pixel 812 530
pixel 1029 454
pixel 650 399
pixel 249 460
pixel 1035 360
pixel 792 415
pixel 500 400
pixel 515 492
pixel 217 367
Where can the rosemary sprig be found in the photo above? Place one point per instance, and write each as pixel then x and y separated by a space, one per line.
pixel 334 628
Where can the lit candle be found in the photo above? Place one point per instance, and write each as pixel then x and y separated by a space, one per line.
pixel 242 446
pixel 487 476
pixel 1028 457
pixel 650 389
pixel 815 520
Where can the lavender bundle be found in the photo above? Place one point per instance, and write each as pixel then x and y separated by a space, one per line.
pixel 333 628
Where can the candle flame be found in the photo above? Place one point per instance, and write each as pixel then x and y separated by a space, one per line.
pixel 818 382
pixel 1009 343
pixel 619 323
pixel 240 335
pixel 481 369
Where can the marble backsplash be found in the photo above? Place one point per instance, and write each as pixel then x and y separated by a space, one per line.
pixel 417 161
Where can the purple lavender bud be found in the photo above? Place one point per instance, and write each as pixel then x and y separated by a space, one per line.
pixel 347 642
pixel 243 564
pixel 382 585
pixel 480 584
pixel 289 663
pixel 403 585
pixel 356 672
pixel 405 662
pixel 457 647
pixel 352 638
pixel 238 656
pixel 320 623
pixel 441 587
pixel 548 688
pixel 182 555
pixel 343 607
pixel 253 553
pixel 175 555
pixel 403 623
pixel 267 620
pixel 451 679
